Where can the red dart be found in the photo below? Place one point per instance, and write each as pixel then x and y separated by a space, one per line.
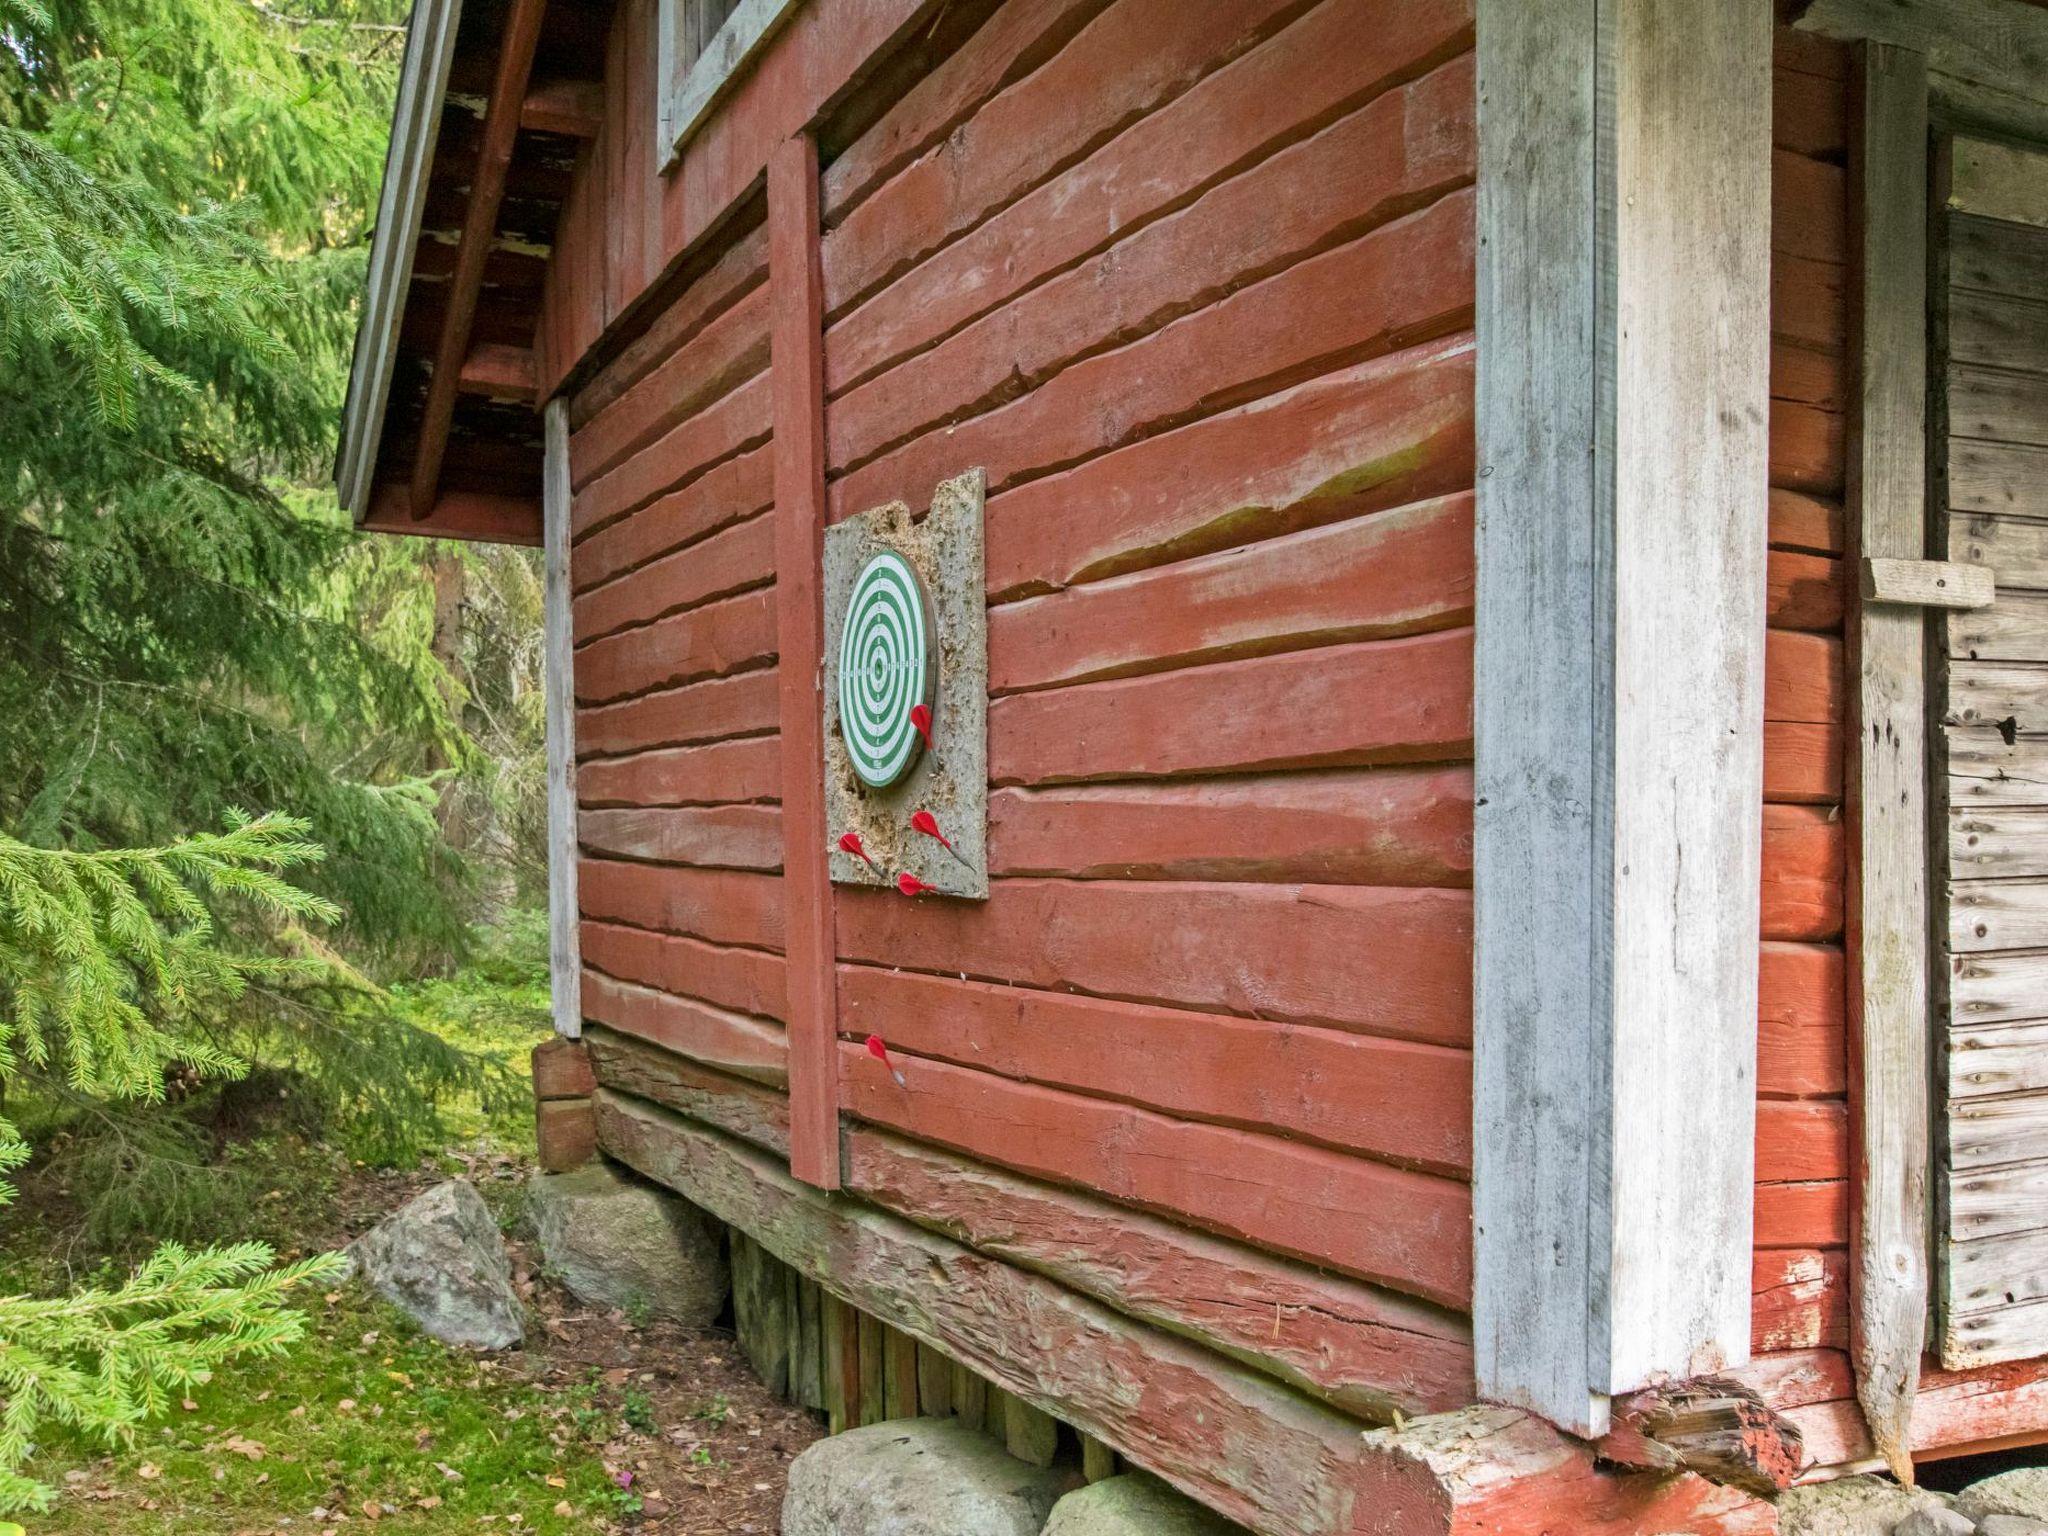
pixel 928 824
pixel 910 885
pixel 881 1053
pixel 922 719
pixel 849 842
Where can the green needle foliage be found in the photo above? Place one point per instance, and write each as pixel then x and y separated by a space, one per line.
pixel 110 964
pixel 102 1361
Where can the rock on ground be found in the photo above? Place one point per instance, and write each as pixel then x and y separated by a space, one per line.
pixel 440 1260
pixel 1935 1522
pixel 2011 1525
pixel 1134 1504
pixel 1852 1506
pixel 617 1241
pixel 2020 1491
pixel 917 1477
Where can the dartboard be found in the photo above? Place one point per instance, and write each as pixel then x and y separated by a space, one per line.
pixel 885 668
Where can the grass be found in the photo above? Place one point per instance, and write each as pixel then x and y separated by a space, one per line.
pixel 367 1420
pixel 366 1412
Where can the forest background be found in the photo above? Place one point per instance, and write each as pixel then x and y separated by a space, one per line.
pixel 261 780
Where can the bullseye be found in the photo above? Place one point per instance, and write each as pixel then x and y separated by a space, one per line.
pixel 885 669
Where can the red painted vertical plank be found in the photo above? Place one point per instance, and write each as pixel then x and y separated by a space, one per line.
pixel 797 355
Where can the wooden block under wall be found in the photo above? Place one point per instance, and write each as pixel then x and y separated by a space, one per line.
pixel 970 1397
pixel 873 1380
pixel 561 1070
pixel 934 1383
pixel 760 1312
pixel 566 1130
pixel 806 1351
pixel 1098 1461
pixel 899 1376
pixel 839 1336
pixel 1030 1435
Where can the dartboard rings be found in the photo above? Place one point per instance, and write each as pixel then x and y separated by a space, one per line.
pixel 885 668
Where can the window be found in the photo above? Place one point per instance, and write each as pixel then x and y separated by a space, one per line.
pixel 704 45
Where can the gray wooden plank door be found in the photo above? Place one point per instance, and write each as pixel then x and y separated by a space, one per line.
pixel 1989 435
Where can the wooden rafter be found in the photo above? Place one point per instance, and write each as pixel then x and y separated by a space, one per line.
pixel 574 108
pixel 486 190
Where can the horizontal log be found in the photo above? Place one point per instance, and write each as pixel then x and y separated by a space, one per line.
pixel 1802 677
pixel 1995 256
pixel 1130 60
pixel 710 1036
pixel 1995 1273
pixel 2014 627
pixel 1983 1133
pixel 719 905
pixel 1988 693
pixel 714 836
pixel 1809 207
pixel 1809 374
pixel 733 1105
pixel 1802 1049
pixel 1395 573
pixel 1718 1427
pixel 1400 284
pixel 729 426
pixel 717 773
pixel 1400 1228
pixel 1997 914
pixel 1809 305
pixel 1998 1202
pixel 1802 762
pixel 1812 1214
pixel 1377 701
pixel 467 515
pixel 1137 195
pixel 1804 849
pixel 1396 1100
pixel 740 488
pixel 1808 448
pixel 728 350
pixel 732 273
pixel 1997 478
pixel 1805 592
pixel 1984 770
pixel 1235 1440
pixel 1380 826
pixel 1796 1378
pixel 499 372
pixel 573 108
pixel 2014 550
pixel 1994 842
pixel 1993 988
pixel 1800 1299
pixel 744 980
pixel 1391 962
pixel 2004 1403
pixel 1993 406
pixel 1998 330
pixel 719 707
pixel 1802 522
pixel 1375 435
pixel 1408 147
pixel 1366 1350
pixel 728 562
pixel 724 637
pixel 1019 38
pixel 1809 113
pixel 1802 1141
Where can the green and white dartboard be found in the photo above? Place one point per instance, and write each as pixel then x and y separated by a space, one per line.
pixel 886 667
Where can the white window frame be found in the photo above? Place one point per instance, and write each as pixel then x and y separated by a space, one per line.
pixel 690 91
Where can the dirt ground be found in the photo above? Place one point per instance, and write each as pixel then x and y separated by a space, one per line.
pixel 598 1424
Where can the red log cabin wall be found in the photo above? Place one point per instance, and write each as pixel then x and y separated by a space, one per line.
pixel 1801 1317
pixel 1194 285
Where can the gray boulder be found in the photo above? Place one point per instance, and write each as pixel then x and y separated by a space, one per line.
pixel 2011 1525
pixel 1134 1504
pixel 1852 1506
pixel 617 1241
pixel 917 1477
pixel 2020 1491
pixel 1935 1522
pixel 441 1261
